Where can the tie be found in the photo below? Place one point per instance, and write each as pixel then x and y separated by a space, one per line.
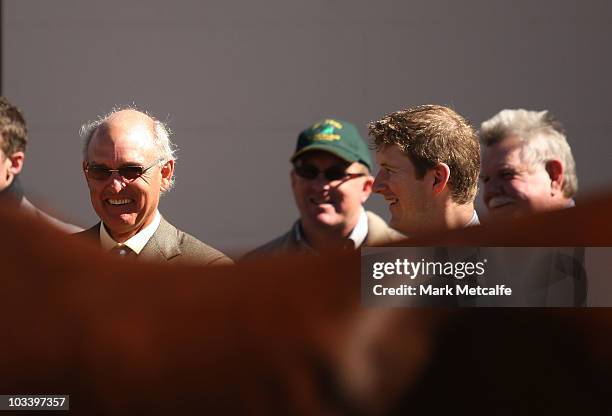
pixel 122 252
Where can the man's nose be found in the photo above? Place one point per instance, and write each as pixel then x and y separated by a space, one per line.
pixel 492 186
pixel 116 182
pixel 378 184
pixel 321 182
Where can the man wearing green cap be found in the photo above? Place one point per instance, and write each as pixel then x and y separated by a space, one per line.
pixel 331 181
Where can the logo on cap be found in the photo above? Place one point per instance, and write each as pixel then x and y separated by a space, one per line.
pixel 327 131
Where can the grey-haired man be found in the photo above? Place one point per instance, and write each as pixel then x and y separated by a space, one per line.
pixel 527 164
pixel 128 163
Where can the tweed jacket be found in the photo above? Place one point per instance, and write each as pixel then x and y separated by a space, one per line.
pixel 169 244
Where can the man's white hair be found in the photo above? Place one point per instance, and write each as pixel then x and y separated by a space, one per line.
pixel 543 139
pixel 166 150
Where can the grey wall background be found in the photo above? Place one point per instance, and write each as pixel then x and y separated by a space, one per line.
pixel 237 81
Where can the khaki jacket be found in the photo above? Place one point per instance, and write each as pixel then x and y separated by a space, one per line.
pixel 379 234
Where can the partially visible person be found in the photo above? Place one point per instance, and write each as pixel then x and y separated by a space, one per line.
pixel 128 162
pixel 429 160
pixel 13 141
pixel 527 164
pixel 331 181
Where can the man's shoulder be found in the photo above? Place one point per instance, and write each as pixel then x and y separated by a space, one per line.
pixel 91 234
pixel 283 244
pixel 27 206
pixel 190 249
pixel 379 232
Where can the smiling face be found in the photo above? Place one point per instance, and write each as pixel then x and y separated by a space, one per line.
pixel 512 186
pixel 408 196
pixel 125 206
pixel 330 204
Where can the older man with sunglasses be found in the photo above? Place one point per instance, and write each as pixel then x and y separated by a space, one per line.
pixel 331 181
pixel 128 163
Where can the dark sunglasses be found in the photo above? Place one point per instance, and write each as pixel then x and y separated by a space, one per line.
pixel 332 173
pixel 129 173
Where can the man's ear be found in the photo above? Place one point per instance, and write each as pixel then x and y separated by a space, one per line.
pixel 367 188
pixel 167 170
pixel 16 160
pixel 440 174
pixel 555 171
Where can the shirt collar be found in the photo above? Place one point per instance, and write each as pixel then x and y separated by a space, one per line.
pixel 357 235
pixel 137 242
pixel 360 232
pixel 474 221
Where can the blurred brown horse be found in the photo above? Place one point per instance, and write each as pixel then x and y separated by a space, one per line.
pixel 288 336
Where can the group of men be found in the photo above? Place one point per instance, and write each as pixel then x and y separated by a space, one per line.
pixel 429 163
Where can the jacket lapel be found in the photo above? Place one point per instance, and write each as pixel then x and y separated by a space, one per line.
pixel 164 244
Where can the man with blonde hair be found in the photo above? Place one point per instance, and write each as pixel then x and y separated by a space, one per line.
pixel 429 159
pixel 528 165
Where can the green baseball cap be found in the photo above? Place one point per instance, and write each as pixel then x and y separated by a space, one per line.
pixel 337 137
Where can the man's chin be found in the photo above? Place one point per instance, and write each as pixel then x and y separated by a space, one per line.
pixel 327 220
pixel 508 211
pixel 397 224
pixel 120 224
